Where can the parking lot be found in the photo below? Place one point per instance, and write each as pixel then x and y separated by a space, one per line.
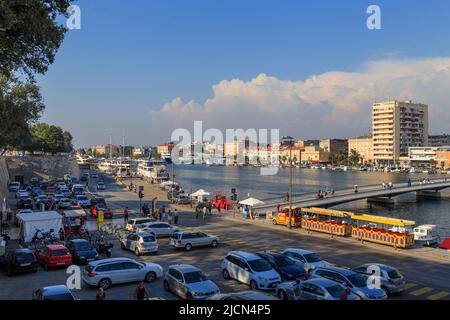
pixel 425 279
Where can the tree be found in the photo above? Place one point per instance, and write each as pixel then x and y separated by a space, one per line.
pixel 68 146
pixel 30 35
pixel 20 106
pixel 50 139
pixel 354 158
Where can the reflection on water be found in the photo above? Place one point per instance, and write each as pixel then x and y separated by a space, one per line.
pixel 248 181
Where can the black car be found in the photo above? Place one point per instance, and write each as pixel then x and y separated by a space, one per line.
pixel 285 266
pixel 82 251
pixel 24 202
pixel 36 191
pixel 19 261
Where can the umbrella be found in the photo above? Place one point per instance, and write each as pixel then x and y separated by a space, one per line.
pixel 251 202
pixel 200 193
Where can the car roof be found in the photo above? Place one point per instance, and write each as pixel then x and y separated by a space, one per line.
pixel 270 254
pixel 245 255
pixel 142 219
pixel 144 234
pixel 79 240
pixel 254 295
pixel 54 290
pixel 22 250
pixel 56 246
pixel 299 251
pixel 184 267
pixel 108 260
pixel 342 271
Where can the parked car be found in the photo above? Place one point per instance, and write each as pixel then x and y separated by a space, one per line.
pixel 51 191
pixel 94 175
pixel 53 256
pixel 136 223
pixel 285 266
pixel 188 282
pixel 60 292
pixel 313 289
pixel 107 272
pixel 101 185
pixel 348 278
pixel 14 186
pixel 42 199
pixel 65 192
pixel 139 243
pixel 24 202
pixel 309 259
pixel 65 203
pixel 57 198
pixel 170 193
pixel 190 239
pixel 82 251
pixel 82 201
pixel 159 229
pixel 36 191
pixel 77 189
pixel 392 281
pixel 181 199
pixel 18 261
pixel 243 295
pixel 22 193
pixel 250 269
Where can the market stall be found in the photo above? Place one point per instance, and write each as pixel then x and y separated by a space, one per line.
pixel 43 221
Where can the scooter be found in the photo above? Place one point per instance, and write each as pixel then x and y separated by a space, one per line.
pixel 103 247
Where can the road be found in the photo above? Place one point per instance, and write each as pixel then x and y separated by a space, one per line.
pixel 425 279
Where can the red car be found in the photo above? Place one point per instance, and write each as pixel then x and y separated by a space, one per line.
pixel 53 256
pixel 107 213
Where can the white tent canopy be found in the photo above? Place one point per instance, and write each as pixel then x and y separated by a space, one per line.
pixel 251 202
pixel 44 221
pixel 167 183
pixel 77 213
pixel 200 193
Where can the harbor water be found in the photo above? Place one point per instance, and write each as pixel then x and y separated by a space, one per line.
pixel 249 182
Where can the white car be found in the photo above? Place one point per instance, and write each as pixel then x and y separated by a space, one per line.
pixel 309 259
pixel 139 243
pixel 101 185
pixel 82 201
pixel 106 272
pixel 64 203
pixel 250 269
pixel 159 229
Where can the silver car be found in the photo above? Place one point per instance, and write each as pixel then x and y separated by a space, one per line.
pixel 188 282
pixel 309 259
pixel 391 280
pixel 359 283
pixel 243 295
pixel 106 272
pixel 64 203
pixel 313 289
pixel 190 239
pixel 159 229
pixel 139 243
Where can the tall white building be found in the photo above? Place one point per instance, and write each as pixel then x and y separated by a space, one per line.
pixel 396 127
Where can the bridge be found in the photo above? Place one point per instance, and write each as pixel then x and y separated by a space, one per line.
pixel 372 193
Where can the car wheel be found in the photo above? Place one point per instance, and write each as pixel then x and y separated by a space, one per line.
pixel 137 252
pixel 188 296
pixel 386 290
pixel 282 295
pixel 188 247
pixel 166 286
pixel 104 283
pixel 226 274
pixel 214 243
pixel 150 277
pixel 253 285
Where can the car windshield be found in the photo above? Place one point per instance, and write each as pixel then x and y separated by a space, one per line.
pixel 313 257
pixel 358 280
pixel 176 236
pixel 335 290
pixel 24 257
pixel 60 252
pixel 283 261
pixel 259 265
pixel 394 274
pixel 82 246
pixel 195 276
pixel 62 296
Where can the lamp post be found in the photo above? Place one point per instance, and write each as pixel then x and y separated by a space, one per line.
pixel 290 185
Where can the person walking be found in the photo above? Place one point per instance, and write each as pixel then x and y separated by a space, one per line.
pixel 197 212
pixel 101 295
pixel 205 211
pixel 160 214
pixel 141 292
pixel 169 217
pixel 175 217
pixel 409 182
pixel 209 208
pixel 125 215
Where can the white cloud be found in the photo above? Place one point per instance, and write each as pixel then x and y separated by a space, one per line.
pixel 334 103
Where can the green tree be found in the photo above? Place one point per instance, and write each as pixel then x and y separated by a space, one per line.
pixel 20 106
pixel 68 146
pixel 50 139
pixel 354 158
pixel 30 35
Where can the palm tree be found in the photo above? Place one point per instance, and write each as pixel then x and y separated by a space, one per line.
pixel 354 157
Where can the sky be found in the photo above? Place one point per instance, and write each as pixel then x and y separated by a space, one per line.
pixel 310 68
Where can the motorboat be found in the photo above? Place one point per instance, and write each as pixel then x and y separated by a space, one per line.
pixel 426 235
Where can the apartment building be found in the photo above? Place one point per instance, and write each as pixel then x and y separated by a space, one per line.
pixel 364 146
pixel 439 140
pixel 396 127
pixel 334 145
pixel 314 155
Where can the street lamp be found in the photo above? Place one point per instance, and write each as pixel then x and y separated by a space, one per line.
pixel 290 184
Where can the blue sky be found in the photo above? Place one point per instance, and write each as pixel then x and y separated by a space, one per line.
pixel 131 57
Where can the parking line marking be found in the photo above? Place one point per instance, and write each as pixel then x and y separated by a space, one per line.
pixel 410 285
pixel 438 295
pixel 421 291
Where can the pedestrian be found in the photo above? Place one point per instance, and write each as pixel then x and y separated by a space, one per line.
pixel 332 192
pixel 278 207
pixel 77 224
pixel 344 295
pixel 205 211
pixel 209 208
pixel 125 215
pixel 355 188
pixel 141 293
pixel 62 234
pixel 169 217
pixel 68 222
pixel 101 295
pixel 175 217
pixel 383 185
pixel 160 214
pixel 286 197
pixel 409 182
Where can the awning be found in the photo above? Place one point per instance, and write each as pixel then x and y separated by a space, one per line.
pixel 251 202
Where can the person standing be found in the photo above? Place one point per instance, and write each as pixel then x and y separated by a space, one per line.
pixel 409 182
pixel 169 217
pixel 205 210
pixel 160 214
pixel 209 208
pixel 77 224
pixel 141 293
pixel 175 217
pixel 125 215
pixel 101 295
